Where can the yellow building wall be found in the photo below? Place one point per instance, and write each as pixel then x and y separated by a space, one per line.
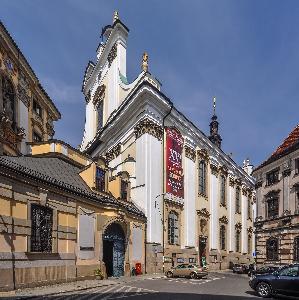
pixel 65 219
pixel 5 207
pixel 19 210
pixel 88 175
pixel 114 187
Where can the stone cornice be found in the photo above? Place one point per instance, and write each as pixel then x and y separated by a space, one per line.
pixel 190 153
pixel 148 126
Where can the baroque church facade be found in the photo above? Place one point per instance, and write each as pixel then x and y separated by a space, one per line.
pixel 198 202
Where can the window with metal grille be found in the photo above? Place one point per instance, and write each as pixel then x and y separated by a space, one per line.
pixel 238 241
pixel 173 230
pixel 296 249
pixel 272 177
pixel 238 196
pixel 202 178
pixel 272 207
pixel 223 191
pixel 100 179
pixel 222 237
pixel 124 189
pixel 41 228
pixel 272 249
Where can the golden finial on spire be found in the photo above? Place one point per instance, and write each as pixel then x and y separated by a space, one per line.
pixel 214 105
pixel 144 64
pixel 115 16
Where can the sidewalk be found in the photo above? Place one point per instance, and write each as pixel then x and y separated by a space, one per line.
pixel 72 286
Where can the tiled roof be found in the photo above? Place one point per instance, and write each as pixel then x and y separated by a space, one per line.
pixel 290 144
pixel 56 171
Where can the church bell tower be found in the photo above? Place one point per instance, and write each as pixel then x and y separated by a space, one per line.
pixel 214 125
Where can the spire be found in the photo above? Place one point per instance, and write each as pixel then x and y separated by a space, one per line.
pixel 115 16
pixel 214 135
pixel 144 63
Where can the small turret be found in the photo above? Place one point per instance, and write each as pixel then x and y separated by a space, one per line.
pixel 214 135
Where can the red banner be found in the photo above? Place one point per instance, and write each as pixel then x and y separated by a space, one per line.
pixel 174 170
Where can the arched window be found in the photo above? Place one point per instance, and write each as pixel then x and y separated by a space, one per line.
pixel 296 248
pixel 100 179
pixel 202 170
pixel 238 194
pixel 238 241
pixel 272 249
pixel 222 237
pixel 222 190
pixel 100 114
pixel 173 230
pixel 8 95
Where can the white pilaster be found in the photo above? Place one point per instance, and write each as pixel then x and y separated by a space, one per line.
pixel 244 239
pixel 24 117
pixel 149 184
pixel 231 214
pixel 214 208
pixel 189 202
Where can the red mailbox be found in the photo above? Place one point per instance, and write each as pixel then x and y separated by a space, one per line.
pixel 138 268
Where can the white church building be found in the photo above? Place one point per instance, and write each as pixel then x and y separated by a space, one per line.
pixel 198 202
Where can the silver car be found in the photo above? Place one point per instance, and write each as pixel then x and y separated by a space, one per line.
pixel 187 270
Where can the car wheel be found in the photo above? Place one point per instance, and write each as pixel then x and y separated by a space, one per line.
pixel 169 274
pixel 193 275
pixel 264 289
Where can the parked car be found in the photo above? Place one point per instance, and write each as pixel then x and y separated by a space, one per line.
pixel 187 270
pixel 282 281
pixel 240 268
pixel 263 270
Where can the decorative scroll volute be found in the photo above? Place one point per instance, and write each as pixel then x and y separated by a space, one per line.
pixel 148 126
pixel 223 220
pixel 190 153
pixel 113 153
pixel 203 154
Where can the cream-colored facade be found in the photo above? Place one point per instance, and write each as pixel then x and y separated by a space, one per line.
pixel 27 112
pixel 277 193
pixel 126 123
pixel 60 181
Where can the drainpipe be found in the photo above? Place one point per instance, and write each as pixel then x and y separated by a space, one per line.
pixel 164 190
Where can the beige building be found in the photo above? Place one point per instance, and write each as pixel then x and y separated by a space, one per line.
pixel 277 193
pixel 27 112
pixel 58 222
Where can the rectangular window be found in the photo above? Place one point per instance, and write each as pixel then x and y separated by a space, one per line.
pixel 36 137
pixel 272 177
pixel 41 228
pixel 124 189
pixel 238 195
pixel 297 166
pixel 249 244
pixel 202 178
pixel 100 111
pixel 37 108
pixel 223 191
pixel 238 241
pixel 272 207
pixel 100 179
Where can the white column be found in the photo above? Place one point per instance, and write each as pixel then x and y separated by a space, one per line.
pixel 231 215
pixel 24 117
pixel 214 208
pixel 189 202
pixel 244 239
pixel 90 124
pixel 149 184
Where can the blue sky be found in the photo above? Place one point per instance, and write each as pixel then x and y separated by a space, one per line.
pixel 244 52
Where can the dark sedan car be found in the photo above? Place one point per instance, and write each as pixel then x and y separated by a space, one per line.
pixel 283 281
pixel 240 268
pixel 263 270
